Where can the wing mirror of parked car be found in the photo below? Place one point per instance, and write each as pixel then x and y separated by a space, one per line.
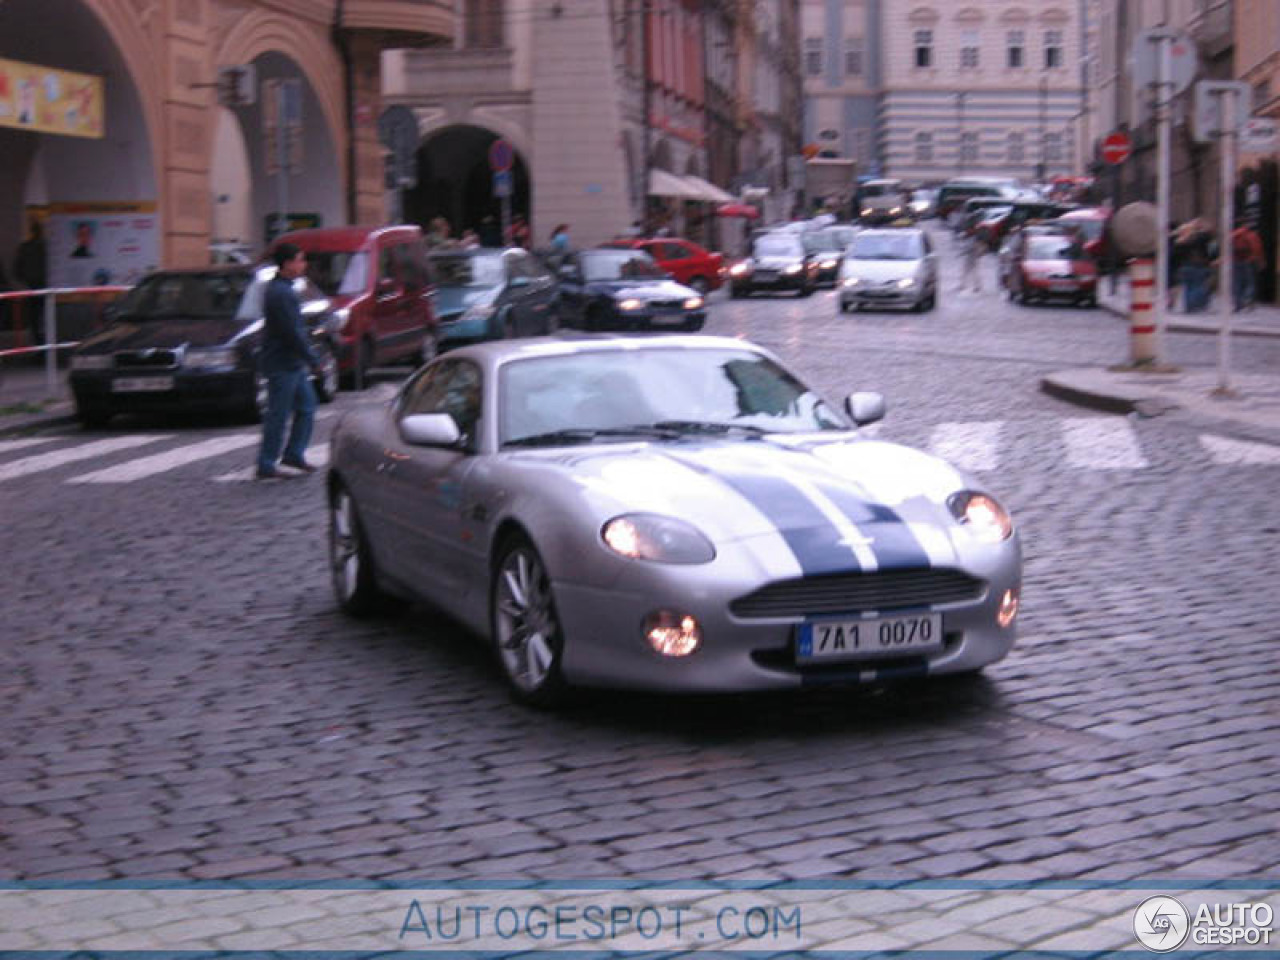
pixel 430 430
pixel 388 287
pixel 864 407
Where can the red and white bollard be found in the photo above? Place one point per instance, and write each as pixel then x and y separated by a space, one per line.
pixel 1142 321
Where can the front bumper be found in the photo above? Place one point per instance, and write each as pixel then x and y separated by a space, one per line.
pixel 187 390
pixel 605 647
pixel 780 281
pixel 1074 288
pixel 891 296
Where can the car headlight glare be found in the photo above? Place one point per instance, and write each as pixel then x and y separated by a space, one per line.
pixel 739 269
pixel 90 361
pixel 850 281
pixel 342 316
pixel 866 211
pixel 1009 601
pixel 672 634
pixel 219 357
pixel 650 536
pixel 630 304
pixel 988 521
pixel 828 264
pixel 895 210
pixel 906 283
pixel 794 268
pixel 693 303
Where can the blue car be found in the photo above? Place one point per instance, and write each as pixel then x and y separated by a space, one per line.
pixel 487 293
pixel 620 289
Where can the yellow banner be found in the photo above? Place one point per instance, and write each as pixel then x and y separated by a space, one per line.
pixel 45 100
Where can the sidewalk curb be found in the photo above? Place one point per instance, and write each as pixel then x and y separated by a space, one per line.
pixel 1176 326
pixel 26 423
pixel 1079 396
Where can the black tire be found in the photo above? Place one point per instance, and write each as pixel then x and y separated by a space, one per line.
pixel 844 307
pixel 693 326
pixel 524 625
pixel 326 377
pixel 701 285
pixel 595 318
pixel 351 570
pixel 807 291
pixel 358 377
pixel 91 415
pixel 736 292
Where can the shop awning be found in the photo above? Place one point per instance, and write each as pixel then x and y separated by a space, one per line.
pixel 663 184
pixel 709 190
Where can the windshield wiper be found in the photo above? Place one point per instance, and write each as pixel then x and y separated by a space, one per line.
pixel 709 426
pixel 586 435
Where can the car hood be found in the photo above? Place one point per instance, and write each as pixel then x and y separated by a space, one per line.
pixel 835 505
pixel 875 270
pixel 641 289
pixel 165 334
pixel 775 263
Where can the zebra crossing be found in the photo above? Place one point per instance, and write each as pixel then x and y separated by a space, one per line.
pixel 1107 445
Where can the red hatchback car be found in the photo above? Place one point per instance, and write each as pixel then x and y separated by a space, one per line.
pixel 689 263
pixel 1051 266
pixel 378 282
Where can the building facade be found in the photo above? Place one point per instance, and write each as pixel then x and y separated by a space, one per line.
pixel 841 64
pixel 167 150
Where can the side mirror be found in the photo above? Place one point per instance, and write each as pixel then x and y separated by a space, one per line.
pixel 430 430
pixel 864 408
pixel 388 287
pixel 568 272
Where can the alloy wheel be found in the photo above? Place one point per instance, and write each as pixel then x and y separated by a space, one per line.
pixel 525 626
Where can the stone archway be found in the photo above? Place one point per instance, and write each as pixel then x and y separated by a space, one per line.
pixel 456 182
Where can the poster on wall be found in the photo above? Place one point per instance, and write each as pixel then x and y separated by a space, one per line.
pixel 96 244
pixel 45 100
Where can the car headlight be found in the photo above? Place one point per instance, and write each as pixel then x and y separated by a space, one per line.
pixel 341 317
pixel 480 312
pixel 650 536
pixel 693 303
pixel 794 268
pixel 631 303
pixel 739 269
pixel 200 359
pixel 893 211
pixel 906 283
pixel 828 264
pixel 89 361
pixel 866 211
pixel 989 521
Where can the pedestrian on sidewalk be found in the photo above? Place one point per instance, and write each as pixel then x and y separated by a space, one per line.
pixel 287 362
pixel 1195 254
pixel 31 267
pixel 1247 260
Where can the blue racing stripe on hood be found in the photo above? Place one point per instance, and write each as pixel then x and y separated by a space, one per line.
pixel 894 545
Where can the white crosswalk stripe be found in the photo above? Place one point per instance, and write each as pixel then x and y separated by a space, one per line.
pixel 169 460
pixel 8 445
pixel 317 456
pixel 1102 443
pixel 1225 450
pixel 969 445
pixel 58 458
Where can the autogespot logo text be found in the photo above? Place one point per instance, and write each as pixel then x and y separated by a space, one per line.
pixel 1161 924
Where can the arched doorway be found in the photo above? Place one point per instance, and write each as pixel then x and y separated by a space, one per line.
pixel 248 180
pixel 456 182
pixel 71 180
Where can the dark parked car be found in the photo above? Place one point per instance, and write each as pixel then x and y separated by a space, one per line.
pixel 826 248
pixel 778 261
pixel 487 293
pixel 955 192
pixel 613 288
pixel 1049 266
pixel 189 340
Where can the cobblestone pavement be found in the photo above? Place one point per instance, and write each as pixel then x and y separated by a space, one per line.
pixel 183 700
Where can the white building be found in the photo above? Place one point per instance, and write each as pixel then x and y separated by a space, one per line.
pixel 841 64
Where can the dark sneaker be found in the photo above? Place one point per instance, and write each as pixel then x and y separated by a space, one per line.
pixel 299 465
pixel 270 475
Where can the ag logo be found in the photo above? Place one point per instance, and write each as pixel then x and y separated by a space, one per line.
pixel 1161 924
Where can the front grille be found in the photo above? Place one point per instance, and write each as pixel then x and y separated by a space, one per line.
pixel 666 304
pixel 146 360
pixel 855 592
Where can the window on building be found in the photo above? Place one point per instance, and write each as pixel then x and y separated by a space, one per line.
pixel 1261 93
pixel 1015 43
pixel 1015 148
pixel 484 23
pixel 1053 148
pixel 853 56
pixel 1052 49
pixel 924 148
pixel 969 147
pixel 924 48
pixel 969 49
pixel 813 56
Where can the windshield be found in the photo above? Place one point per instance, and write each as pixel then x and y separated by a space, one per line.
pixel 482 270
pixel 725 388
pixel 185 295
pixel 338 273
pixel 1088 229
pixel 619 265
pixel 880 190
pixel 1051 248
pixel 778 245
pixel 886 246
pixel 822 240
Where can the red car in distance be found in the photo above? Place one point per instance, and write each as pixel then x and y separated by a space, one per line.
pixel 687 262
pixel 1051 266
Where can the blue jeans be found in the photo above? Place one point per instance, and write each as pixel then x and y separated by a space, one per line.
pixel 1244 284
pixel 1195 287
pixel 288 392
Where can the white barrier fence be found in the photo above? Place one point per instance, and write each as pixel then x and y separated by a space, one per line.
pixel 49 322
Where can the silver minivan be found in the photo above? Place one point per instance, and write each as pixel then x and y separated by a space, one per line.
pixel 889 268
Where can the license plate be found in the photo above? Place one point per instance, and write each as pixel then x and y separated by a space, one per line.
pixel 826 641
pixel 766 275
pixel 141 384
pixel 668 317
pixel 1062 287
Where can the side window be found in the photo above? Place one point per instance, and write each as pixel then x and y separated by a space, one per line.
pixel 413 265
pixel 388 264
pixel 675 251
pixel 452 388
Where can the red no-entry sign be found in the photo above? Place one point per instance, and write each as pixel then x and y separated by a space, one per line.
pixel 501 156
pixel 1116 148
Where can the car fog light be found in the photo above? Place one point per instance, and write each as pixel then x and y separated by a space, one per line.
pixel 1008 607
pixel 672 634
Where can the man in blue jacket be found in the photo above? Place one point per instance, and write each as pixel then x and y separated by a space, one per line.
pixel 287 362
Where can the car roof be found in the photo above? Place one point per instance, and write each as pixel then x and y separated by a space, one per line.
pixel 341 238
pixel 454 252
pixel 571 343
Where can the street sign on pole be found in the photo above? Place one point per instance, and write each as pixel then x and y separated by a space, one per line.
pixel 501 156
pixel 238 85
pixel 502 183
pixel 1206 116
pixel 1259 135
pixel 1183 60
pixel 1116 147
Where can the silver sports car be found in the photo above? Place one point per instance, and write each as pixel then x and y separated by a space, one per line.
pixel 667 513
